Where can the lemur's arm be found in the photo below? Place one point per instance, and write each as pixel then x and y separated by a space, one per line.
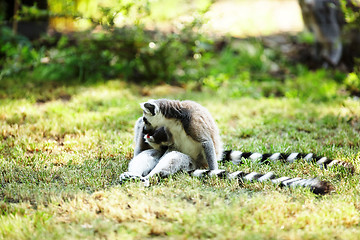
pixel 147 163
pixel 142 164
pixel 140 131
pixel 145 158
pixel 210 154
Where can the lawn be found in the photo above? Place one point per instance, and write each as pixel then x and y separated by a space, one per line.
pixel 63 147
pixel 68 105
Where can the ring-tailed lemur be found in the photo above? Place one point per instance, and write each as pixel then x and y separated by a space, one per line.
pixel 195 137
pixel 195 133
pixel 162 159
pixel 161 141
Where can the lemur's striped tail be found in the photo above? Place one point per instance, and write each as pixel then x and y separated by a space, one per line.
pixel 316 186
pixel 323 162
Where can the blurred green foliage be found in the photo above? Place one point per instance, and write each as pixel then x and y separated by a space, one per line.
pixel 352 16
pixel 106 51
pixel 16 53
pixel 352 81
pixel 132 52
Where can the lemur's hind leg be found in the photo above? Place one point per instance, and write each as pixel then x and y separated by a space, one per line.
pixel 142 164
pixel 170 163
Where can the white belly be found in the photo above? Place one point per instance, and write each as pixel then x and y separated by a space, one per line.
pixel 184 143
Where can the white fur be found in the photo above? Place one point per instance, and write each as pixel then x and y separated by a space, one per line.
pixel 171 163
pixel 234 174
pixel 291 181
pixel 266 177
pixel 215 173
pixel 255 156
pixel 274 157
pixel 152 101
pixel 144 162
pixel 236 155
pixel 291 158
pixel 182 142
pixel 334 163
pixel 322 160
pixel 280 180
pixel 250 176
pixel 199 172
pixel 308 157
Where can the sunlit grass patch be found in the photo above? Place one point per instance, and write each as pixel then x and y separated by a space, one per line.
pixel 60 161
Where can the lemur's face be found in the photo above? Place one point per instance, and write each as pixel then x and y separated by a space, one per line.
pixel 151 113
pixel 149 139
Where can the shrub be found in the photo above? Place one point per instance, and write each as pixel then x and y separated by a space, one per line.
pixel 352 81
pixel 314 86
pixel 129 52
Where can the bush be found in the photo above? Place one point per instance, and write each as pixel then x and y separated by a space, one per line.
pixel 129 52
pixel 314 86
pixel 16 53
pixel 352 81
pixel 242 67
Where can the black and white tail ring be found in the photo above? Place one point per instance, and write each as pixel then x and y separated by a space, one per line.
pixel 237 156
pixel 314 184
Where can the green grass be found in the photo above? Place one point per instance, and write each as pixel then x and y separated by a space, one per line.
pixel 63 148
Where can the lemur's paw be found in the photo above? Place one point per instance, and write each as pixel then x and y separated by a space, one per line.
pixel 126 176
pixel 145 181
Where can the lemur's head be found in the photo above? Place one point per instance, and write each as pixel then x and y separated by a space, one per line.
pixel 160 136
pixel 151 113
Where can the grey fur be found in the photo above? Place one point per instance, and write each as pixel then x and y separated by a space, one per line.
pixel 162 159
pixel 140 143
pixel 191 126
pixel 209 150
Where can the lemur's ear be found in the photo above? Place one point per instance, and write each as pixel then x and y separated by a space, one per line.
pixel 150 108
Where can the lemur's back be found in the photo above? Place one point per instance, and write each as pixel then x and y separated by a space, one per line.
pixel 203 126
pixel 194 131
